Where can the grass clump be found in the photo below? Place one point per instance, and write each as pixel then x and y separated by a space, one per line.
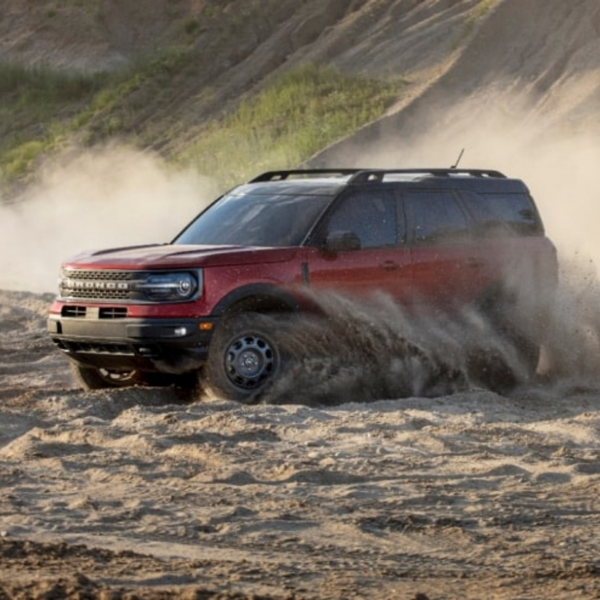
pixel 298 114
pixel 21 157
pixel 43 86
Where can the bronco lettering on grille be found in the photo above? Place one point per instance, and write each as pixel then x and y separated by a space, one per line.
pixel 110 285
pixel 73 284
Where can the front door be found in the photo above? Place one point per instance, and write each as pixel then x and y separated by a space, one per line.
pixel 380 261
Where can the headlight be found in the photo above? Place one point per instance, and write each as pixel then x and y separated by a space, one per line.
pixel 171 287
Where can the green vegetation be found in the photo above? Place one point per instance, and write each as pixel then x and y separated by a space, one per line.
pixel 301 112
pixel 41 87
pixel 43 108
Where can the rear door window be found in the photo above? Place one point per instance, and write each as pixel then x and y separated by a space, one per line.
pixel 435 217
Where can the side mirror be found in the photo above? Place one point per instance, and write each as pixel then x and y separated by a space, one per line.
pixel 341 241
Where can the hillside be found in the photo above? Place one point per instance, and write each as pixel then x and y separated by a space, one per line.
pixel 178 65
pixel 448 51
pixel 531 64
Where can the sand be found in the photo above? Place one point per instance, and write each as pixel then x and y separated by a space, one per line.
pixel 139 493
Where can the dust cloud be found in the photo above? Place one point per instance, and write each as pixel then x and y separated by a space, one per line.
pixel 372 349
pixel 558 160
pixel 560 168
pixel 113 196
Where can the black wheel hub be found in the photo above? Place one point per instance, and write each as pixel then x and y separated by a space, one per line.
pixel 249 360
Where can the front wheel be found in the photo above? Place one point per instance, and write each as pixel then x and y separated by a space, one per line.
pixel 244 357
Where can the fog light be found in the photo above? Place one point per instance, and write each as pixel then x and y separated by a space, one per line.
pixel 146 351
pixel 180 331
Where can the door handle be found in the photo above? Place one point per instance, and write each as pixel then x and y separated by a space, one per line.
pixel 389 265
pixel 473 262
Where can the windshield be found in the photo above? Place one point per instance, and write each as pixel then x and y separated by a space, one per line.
pixel 255 220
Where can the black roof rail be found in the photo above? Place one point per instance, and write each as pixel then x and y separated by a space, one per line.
pixel 299 173
pixel 365 175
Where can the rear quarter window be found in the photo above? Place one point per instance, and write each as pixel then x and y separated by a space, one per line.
pixel 498 214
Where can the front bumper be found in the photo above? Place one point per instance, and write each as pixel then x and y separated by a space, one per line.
pixel 149 344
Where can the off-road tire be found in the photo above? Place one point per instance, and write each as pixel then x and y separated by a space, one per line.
pixel 245 357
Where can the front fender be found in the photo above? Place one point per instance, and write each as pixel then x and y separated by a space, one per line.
pixel 257 297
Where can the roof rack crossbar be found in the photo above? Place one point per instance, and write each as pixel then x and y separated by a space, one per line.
pixel 365 175
pixel 285 174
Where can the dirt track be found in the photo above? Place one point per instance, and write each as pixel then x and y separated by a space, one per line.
pixel 135 493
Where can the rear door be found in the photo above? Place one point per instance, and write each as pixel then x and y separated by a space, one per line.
pixel 447 266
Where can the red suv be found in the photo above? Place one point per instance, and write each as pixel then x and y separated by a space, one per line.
pixel 165 313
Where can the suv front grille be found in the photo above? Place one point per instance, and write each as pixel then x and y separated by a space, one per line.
pixel 110 285
pixel 100 275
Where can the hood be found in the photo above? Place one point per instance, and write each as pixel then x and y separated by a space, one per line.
pixel 168 256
